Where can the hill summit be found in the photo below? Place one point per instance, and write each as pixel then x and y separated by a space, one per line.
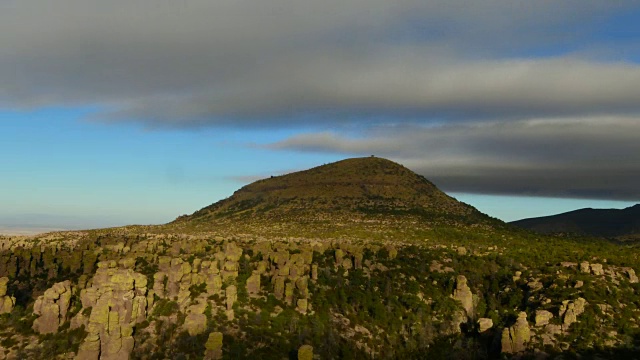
pixel 357 189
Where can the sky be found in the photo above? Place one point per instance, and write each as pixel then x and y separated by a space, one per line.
pixel 135 112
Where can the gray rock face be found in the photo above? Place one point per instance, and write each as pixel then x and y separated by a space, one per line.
pixel 52 308
pixel 515 338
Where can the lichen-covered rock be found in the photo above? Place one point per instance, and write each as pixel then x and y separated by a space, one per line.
pixel 302 305
pixel 633 278
pixel 392 251
pixel 231 293
pixel 484 324
pixel 463 293
pixel 52 308
pixel 232 252
pixel 279 287
pixel 288 293
pixel 196 321
pixel 6 302
pixel 570 310
pixel 339 254
pixel 213 346
pixel 584 267
pixel 597 269
pixel 542 317
pixel 118 298
pixel 253 284
pixel 516 338
pixel 305 352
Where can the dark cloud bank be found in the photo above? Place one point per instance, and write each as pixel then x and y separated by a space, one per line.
pixel 449 88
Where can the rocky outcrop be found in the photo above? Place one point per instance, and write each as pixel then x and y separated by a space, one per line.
pixel 542 317
pixel 463 293
pixel 570 310
pixel 516 337
pixel 213 347
pixel 6 302
pixel 195 322
pixel 484 324
pixel 631 274
pixel 231 294
pixel 253 284
pixel 305 352
pixel 52 308
pixel 596 269
pixel 118 301
pixel 584 267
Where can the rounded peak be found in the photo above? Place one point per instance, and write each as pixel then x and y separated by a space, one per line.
pixel 365 185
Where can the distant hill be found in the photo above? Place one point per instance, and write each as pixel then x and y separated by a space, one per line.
pixel 608 223
pixel 369 189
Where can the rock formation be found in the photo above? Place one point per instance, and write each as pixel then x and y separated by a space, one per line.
pixel 305 352
pixel 6 302
pixel 516 337
pixel 570 310
pixel 52 308
pixel 213 346
pixel 542 317
pixel 484 324
pixel 463 293
pixel 118 301
pixel 196 321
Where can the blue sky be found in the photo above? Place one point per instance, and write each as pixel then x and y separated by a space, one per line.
pixel 118 113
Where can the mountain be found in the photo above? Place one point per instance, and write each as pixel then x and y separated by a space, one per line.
pixel 368 190
pixel 358 259
pixel 609 223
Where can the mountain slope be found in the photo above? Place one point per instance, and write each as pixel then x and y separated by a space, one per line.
pixel 353 190
pixel 608 223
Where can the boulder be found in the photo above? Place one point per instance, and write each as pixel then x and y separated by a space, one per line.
pixel 584 267
pixel 484 324
pixel 543 317
pixel 596 269
pixel 305 352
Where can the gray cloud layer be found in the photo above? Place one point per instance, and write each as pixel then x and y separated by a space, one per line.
pixel 592 158
pixel 197 62
pixel 561 125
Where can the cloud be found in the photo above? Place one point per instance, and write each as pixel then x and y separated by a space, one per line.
pixel 279 62
pixel 576 158
pixel 500 96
